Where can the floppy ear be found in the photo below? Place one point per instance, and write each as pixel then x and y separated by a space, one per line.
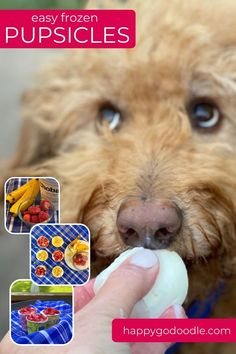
pixel 35 141
pixel 43 115
pixel 49 113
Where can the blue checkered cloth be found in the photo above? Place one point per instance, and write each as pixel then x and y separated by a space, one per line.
pixel 58 334
pixel 68 232
pixel 13 224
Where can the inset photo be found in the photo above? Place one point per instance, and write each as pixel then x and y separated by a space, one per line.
pixel 30 201
pixel 40 314
pixel 60 254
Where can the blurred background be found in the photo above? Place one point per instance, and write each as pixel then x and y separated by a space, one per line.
pixel 24 291
pixel 17 70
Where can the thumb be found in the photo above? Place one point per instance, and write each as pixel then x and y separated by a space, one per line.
pixel 129 282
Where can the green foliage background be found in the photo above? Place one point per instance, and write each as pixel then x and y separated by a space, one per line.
pixel 42 4
pixel 22 286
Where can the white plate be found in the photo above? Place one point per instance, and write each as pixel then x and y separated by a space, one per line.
pixel 70 254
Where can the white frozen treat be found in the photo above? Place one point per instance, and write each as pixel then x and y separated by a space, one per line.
pixel 170 287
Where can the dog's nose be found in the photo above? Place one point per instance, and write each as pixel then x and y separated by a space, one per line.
pixel 150 224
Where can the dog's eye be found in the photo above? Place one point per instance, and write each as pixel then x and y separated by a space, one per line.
pixel 204 115
pixel 109 117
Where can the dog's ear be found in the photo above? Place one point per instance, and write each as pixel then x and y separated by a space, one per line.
pixel 36 136
pixel 35 143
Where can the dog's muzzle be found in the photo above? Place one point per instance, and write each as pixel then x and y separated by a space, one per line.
pixel 150 224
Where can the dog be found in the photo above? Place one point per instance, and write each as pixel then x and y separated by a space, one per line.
pixel 143 143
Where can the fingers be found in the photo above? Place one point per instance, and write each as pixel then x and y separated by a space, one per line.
pixel 83 294
pixel 124 287
pixel 175 311
pixel 150 348
pixel 130 282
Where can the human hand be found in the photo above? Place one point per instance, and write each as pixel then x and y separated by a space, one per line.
pixel 116 299
pixel 125 286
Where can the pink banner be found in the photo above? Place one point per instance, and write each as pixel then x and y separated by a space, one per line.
pixel 67 28
pixel 174 330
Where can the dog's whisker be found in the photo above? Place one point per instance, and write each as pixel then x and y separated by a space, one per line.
pixel 203 232
pixel 193 246
pixel 212 220
pixel 204 259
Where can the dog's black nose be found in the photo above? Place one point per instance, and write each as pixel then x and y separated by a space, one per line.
pixel 150 224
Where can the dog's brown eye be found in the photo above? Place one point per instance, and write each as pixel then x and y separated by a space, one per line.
pixel 205 115
pixel 109 117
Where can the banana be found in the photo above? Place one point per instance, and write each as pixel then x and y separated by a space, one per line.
pixel 27 198
pixel 17 193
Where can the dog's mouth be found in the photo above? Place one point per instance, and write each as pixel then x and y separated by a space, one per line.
pixel 110 242
pixel 187 261
pixel 189 227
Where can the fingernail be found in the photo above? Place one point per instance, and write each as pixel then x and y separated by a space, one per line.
pixel 179 311
pixel 144 258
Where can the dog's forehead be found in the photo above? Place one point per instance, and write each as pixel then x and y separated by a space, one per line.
pixel 174 74
pixel 175 41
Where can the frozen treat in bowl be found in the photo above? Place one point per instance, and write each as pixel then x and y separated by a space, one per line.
pixel 23 313
pixel 53 316
pixel 36 322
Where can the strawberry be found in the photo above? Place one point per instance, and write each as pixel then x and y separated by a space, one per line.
pixel 34 209
pixel 50 311
pixel 37 317
pixel 43 216
pixel 45 205
pixel 34 219
pixel 26 217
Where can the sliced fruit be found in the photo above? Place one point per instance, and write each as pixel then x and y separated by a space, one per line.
pixel 78 246
pixel 58 256
pixel 27 198
pixel 75 258
pixel 57 272
pixel 37 317
pixel 40 271
pixel 50 311
pixel 42 242
pixel 27 310
pixel 80 259
pixel 17 193
pixel 57 241
pixel 42 255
